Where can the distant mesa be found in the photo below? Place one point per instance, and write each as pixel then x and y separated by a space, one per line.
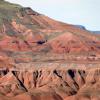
pixel 97 32
pixel 84 28
pixel 81 27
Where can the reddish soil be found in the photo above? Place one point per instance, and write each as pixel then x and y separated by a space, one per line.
pixel 44 59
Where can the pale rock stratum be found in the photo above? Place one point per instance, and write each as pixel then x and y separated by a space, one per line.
pixel 44 59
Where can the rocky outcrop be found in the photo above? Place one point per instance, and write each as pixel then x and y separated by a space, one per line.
pixel 55 82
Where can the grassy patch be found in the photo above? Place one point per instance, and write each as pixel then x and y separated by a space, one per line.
pixel 8 10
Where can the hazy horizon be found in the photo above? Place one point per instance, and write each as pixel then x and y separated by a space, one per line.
pixel 78 12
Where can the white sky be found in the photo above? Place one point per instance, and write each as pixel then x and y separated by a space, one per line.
pixel 82 12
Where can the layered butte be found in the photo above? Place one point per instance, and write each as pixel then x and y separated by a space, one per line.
pixel 44 59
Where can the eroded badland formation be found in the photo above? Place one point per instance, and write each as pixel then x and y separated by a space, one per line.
pixel 43 59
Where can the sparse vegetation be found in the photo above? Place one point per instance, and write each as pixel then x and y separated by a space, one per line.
pixel 7 13
pixel 53 35
pixel 22 37
pixel 1 37
pixel 10 33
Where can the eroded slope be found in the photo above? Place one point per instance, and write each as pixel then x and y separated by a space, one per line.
pixel 57 81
